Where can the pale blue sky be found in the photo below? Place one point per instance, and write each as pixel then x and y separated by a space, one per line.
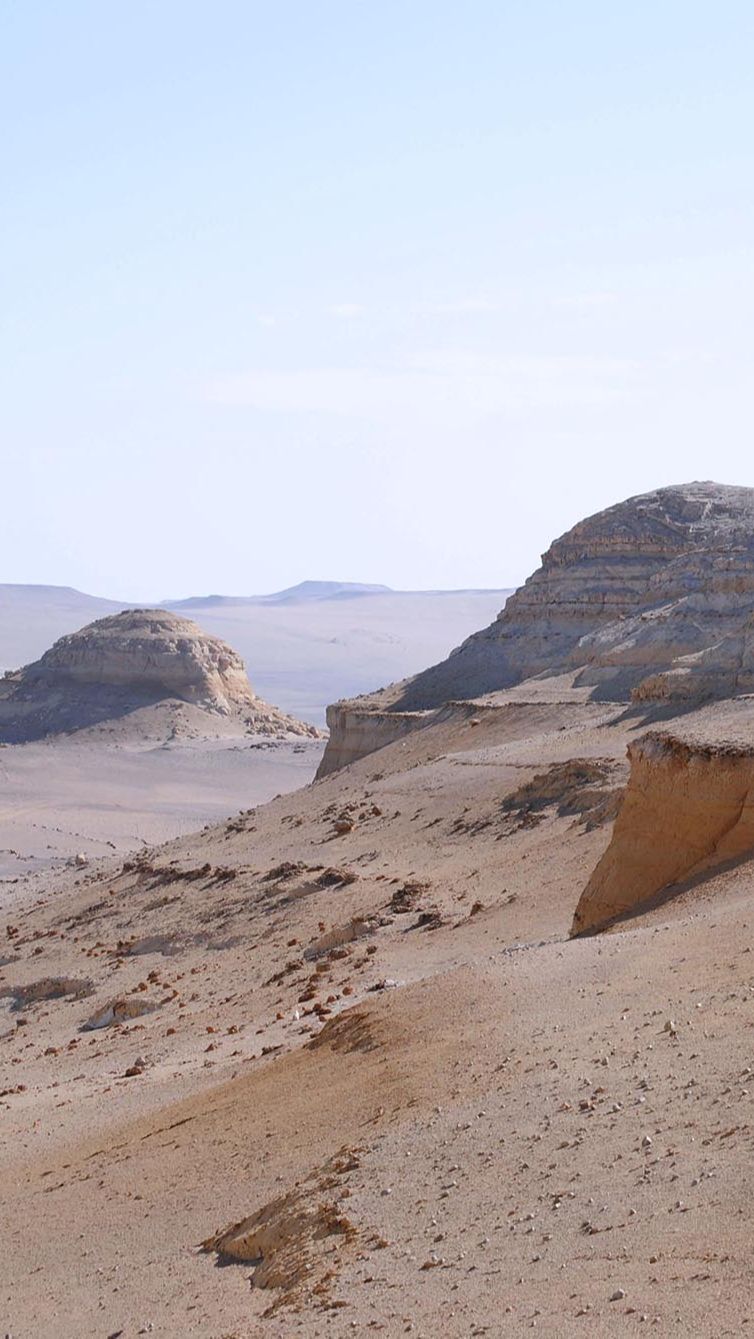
pixel 372 291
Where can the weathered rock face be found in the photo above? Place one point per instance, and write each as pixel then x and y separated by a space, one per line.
pixel 688 808
pixel 130 660
pixel 151 652
pixel 622 598
pixel 725 669
pixel 684 553
pixel 355 734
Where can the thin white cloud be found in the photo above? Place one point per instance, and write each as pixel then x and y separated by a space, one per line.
pixel 432 384
pixel 461 307
pixel 346 310
pixel 587 301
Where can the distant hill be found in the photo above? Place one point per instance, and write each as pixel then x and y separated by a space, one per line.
pixel 51 597
pixel 304 647
pixel 304 591
pixel 126 665
pixel 33 617
pixel 324 590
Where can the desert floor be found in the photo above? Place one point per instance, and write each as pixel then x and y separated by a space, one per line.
pixel 377 1078
pixel 81 795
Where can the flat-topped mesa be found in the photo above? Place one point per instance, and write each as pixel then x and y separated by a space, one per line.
pixel 618 600
pixel 134 659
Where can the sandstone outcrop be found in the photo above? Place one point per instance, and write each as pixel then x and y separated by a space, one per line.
pixel 688 808
pixel 355 733
pixel 128 661
pixel 623 600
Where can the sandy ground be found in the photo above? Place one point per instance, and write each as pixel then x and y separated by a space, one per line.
pixel 373 1047
pixel 81 795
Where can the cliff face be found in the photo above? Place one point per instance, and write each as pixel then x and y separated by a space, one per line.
pixel 725 669
pixel 688 808
pixel 620 600
pixel 354 734
pixel 148 652
pixel 130 660
pixel 685 553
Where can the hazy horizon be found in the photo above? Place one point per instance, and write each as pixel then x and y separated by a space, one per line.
pixel 355 589
pixel 400 292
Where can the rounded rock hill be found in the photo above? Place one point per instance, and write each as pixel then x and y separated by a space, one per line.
pixel 649 600
pixel 136 659
pixel 621 595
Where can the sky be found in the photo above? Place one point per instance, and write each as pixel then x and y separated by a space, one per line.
pixel 389 292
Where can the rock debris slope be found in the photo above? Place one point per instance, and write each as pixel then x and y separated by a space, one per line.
pixel 129 661
pixel 344 1046
pixel 651 598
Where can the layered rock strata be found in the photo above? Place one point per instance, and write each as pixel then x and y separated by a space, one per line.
pixel 688 808
pixel 354 733
pixel 131 660
pixel 622 599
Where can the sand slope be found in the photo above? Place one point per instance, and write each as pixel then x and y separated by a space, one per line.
pixel 377 1076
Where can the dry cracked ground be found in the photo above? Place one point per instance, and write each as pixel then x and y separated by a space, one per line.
pixel 335 1066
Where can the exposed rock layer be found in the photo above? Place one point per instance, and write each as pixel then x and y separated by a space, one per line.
pixel 355 733
pixel 624 598
pixel 126 662
pixel 689 807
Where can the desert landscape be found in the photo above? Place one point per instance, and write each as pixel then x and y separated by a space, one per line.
pixel 452 1039
pixel 305 646
pixel 376 670
pixel 140 769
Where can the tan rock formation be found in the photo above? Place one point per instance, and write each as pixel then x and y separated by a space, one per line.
pixel 693 544
pixel 128 661
pixel 723 670
pixel 689 807
pixel 621 598
pixel 354 733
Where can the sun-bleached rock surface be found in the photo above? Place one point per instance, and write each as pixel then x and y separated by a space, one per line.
pixel 623 599
pixel 126 662
pixel 688 809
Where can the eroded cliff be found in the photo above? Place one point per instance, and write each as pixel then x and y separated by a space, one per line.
pixel 622 600
pixel 688 808
pixel 356 732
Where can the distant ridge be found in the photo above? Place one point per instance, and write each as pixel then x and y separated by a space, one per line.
pixel 304 592
pixel 312 592
pixel 339 640
pixel 60 597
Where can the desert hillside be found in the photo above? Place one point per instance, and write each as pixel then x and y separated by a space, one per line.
pixel 649 600
pixel 452 1041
